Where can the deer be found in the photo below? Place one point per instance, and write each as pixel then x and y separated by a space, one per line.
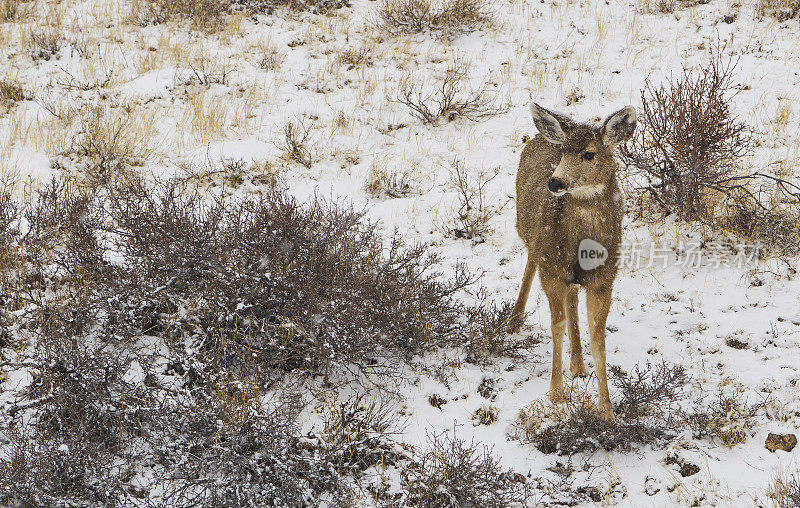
pixel 569 215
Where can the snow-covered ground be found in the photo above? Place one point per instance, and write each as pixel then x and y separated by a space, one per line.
pixel 151 80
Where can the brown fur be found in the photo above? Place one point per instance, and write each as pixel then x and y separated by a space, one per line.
pixel 553 226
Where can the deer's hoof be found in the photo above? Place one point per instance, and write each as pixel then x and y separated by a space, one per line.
pixel 578 369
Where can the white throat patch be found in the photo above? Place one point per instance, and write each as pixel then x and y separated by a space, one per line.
pixel 587 191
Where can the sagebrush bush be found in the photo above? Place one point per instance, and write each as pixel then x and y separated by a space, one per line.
pixel 690 142
pixel 654 409
pixel 95 416
pixel 457 473
pixel 781 10
pixel 153 322
pixel 295 287
pixel 648 414
pixel 210 15
pixel 448 17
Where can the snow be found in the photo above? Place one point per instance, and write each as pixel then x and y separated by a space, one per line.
pixel 607 50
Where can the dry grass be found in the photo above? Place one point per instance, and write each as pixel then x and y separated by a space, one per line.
pixel 43 44
pixel 385 181
pixel 111 140
pixel 271 59
pixel 785 491
pixel 781 10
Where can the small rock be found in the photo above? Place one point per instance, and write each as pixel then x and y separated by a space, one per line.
pixel 785 442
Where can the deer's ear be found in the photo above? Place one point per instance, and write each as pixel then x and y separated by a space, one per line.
pixel 619 126
pixel 553 126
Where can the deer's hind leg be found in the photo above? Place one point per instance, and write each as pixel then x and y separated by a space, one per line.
pixel 518 314
pixel 556 292
pixel 576 365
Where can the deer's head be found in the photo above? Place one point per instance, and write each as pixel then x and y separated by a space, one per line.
pixel 587 163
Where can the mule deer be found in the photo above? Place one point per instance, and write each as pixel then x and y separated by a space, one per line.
pixel 569 214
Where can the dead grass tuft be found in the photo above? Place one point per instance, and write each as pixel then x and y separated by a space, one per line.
pixel 781 10
pixel 447 17
pixel 10 93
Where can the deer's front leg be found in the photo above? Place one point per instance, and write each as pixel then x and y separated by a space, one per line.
pixel 556 292
pixel 576 365
pixel 598 302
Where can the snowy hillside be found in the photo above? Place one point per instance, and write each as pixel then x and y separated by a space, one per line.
pixel 339 104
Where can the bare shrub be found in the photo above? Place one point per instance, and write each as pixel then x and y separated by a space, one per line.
pixel 261 279
pixel 727 418
pixel 271 59
pixel 584 429
pixel 295 136
pixel 206 15
pixel 210 15
pixel 648 414
pixel 356 56
pixel 654 409
pixel 236 292
pixel 765 209
pixel 781 10
pixel 651 389
pixel 455 473
pixel 689 151
pixel 231 174
pixel 448 17
pixel 268 6
pixel 450 99
pixel 95 415
pixel 489 336
pixel 690 142
pixel 474 213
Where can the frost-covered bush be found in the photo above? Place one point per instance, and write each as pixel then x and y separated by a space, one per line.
pixel 262 279
pixel 152 323
pixel 690 142
pixel 456 473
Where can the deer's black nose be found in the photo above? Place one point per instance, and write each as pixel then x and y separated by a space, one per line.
pixel 555 185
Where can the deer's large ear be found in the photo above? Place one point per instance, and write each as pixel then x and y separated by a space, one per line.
pixel 619 126
pixel 553 126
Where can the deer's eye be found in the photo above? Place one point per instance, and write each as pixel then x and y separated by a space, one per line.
pixel 588 156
